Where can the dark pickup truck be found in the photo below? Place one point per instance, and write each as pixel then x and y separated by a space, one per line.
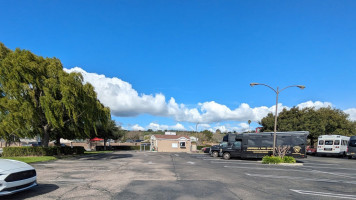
pixel 228 139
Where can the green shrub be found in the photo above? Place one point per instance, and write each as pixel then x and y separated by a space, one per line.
pixel 41 151
pixel 200 147
pixel 289 159
pixel 271 160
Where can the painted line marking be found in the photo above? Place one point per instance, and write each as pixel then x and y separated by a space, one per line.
pixel 295 170
pixel 190 162
pixel 302 178
pixel 306 163
pixel 336 168
pixel 176 155
pixel 325 194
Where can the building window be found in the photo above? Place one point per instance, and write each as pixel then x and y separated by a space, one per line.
pixel 174 145
pixel 182 144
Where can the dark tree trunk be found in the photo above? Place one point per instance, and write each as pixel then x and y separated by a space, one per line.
pixel 58 140
pixel 45 139
pixel 105 144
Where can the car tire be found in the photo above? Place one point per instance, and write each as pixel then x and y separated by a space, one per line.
pixel 349 157
pixel 226 156
pixel 215 154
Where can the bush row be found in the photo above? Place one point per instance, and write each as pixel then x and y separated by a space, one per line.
pixel 101 148
pixel 41 151
pixel 277 159
pixel 200 147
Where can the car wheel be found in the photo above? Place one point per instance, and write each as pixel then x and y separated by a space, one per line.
pixel 226 156
pixel 215 154
pixel 349 157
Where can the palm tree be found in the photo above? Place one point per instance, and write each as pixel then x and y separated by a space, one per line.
pixel 249 122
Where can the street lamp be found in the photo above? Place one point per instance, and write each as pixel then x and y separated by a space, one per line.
pixel 277 91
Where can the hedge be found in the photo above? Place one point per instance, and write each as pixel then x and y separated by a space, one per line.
pixel 41 151
pixel 200 147
pixel 277 159
pixel 271 160
pixel 101 148
pixel 289 159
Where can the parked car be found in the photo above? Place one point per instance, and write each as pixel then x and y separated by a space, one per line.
pixel 311 150
pixel 206 149
pixel 351 150
pixel 16 176
pixel 32 144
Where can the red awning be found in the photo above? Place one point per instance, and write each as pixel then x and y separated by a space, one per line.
pixel 96 139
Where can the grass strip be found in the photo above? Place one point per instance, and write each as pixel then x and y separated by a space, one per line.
pixel 31 159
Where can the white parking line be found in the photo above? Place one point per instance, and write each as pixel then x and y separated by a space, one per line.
pixel 332 168
pixel 324 194
pixel 302 178
pixel 192 163
pixel 308 163
pixel 294 170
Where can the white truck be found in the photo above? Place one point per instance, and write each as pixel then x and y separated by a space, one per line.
pixel 332 145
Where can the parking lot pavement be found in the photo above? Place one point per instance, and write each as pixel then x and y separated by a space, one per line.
pixel 148 175
pixel 318 178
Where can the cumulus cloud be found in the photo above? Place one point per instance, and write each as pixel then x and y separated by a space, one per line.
pixel 137 127
pixel 352 113
pixel 124 101
pixel 156 127
pixel 316 104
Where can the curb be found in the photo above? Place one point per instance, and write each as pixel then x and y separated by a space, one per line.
pixel 291 164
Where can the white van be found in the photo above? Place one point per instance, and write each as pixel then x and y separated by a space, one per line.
pixel 332 145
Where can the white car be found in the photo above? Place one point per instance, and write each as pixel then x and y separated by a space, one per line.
pixel 16 176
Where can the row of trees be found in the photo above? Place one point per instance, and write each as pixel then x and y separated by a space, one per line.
pixel 37 97
pixel 323 121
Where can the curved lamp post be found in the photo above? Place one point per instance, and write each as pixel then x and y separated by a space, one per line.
pixel 277 91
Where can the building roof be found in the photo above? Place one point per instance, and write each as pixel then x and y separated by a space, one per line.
pixel 170 137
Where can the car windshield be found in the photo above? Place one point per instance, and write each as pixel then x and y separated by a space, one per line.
pixel 223 144
pixel 328 142
pixel 352 143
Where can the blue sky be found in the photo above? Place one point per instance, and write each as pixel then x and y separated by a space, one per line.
pixel 203 54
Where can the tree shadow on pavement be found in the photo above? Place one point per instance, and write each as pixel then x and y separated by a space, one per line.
pixel 108 156
pixel 33 192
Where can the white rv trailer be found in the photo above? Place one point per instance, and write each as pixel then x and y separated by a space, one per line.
pixel 332 145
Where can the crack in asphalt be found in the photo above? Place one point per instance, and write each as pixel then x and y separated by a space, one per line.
pixel 174 168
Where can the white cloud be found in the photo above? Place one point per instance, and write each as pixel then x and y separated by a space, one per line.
pixel 124 101
pixel 316 104
pixel 155 127
pixel 137 127
pixel 352 113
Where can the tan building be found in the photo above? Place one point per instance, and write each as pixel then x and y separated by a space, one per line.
pixel 171 143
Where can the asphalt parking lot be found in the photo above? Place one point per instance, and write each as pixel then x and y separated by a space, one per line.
pixel 148 175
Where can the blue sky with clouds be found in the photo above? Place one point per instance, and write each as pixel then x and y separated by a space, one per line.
pixel 173 64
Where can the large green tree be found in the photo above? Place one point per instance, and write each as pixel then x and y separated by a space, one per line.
pixel 323 121
pixel 107 131
pixel 39 98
